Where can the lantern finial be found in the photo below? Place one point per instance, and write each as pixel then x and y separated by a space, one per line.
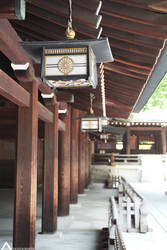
pixel 70 33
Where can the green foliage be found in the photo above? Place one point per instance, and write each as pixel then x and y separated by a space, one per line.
pixel 159 97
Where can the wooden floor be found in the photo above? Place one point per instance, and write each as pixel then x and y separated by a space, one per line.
pixel 80 230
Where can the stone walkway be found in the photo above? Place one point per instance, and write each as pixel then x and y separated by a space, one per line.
pixel 80 230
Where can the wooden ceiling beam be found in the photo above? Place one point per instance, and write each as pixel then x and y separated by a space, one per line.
pixel 133 57
pixel 92 5
pixel 117 104
pixel 122 87
pixel 131 88
pixel 12 91
pixel 43 32
pixel 114 87
pixel 129 68
pixel 142 4
pixel 86 17
pixel 121 10
pixel 123 90
pixel 126 36
pixel 26 35
pixel 115 77
pixel 61 21
pixel 134 28
pixel 125 61
pixel 119 70
pixel 133 48
pixel 121 97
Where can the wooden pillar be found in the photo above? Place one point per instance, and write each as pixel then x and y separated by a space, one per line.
pixel 50 174
pixel 138 143
pixel 91 153
pixel 163 136
pixel 64 166
pixel 74 157
pixel 86 160
pixel 26 172
pixel 128 142
pixel 81 169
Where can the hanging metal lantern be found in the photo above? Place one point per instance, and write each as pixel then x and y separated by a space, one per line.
pixel 69 67
pixel 69 63
pixel 93 123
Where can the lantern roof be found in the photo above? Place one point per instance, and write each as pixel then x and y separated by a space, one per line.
pixel 100 47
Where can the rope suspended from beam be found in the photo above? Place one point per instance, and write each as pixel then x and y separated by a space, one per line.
pixel 103 89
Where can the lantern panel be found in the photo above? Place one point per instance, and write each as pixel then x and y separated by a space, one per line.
pixel 89 124
pixel 63 62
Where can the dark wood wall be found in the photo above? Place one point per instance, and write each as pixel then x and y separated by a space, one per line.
pixel 8 162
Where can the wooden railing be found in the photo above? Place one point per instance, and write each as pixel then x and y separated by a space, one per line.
pixel 132 207
pixel 107 159
pixel 115 241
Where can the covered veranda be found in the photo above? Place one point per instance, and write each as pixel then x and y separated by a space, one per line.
pixel 41 145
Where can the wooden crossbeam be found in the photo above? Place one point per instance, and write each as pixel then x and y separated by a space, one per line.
pixel 61 125
pixel 44 114
pixel 13 91
pixel 9 45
